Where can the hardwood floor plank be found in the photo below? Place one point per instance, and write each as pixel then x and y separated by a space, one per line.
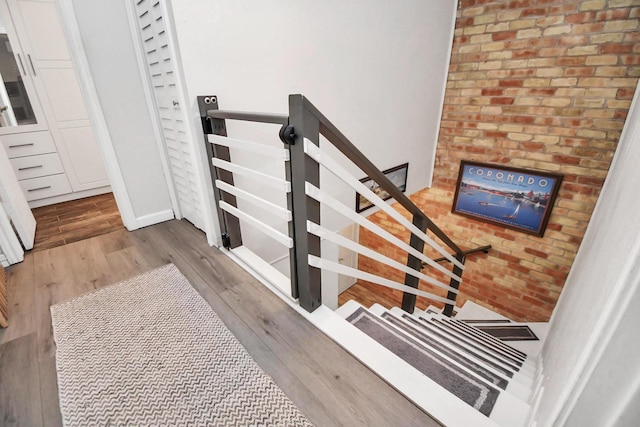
pixel 21 297
pixel 305 350
pixel 20 391
pixel 327 384
pixel 76 220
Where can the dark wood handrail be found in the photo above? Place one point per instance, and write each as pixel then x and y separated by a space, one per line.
pixel 484 249
pixel 278 119
pixel 342 143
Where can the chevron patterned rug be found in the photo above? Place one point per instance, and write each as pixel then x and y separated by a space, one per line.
pixel 151 352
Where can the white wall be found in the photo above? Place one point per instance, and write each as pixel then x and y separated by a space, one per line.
pixel 376 69
pixel 591 363
pixel 108 44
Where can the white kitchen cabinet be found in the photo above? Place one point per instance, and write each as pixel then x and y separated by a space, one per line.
pixel 45 128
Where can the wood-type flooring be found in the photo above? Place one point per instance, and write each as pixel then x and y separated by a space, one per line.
pixel 76 220
pixel 330 386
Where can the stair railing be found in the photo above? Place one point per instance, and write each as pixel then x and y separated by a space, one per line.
pixel 300 133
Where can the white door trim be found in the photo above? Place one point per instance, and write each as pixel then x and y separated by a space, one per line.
pixel 614 308
pixel 189 110
pixel 205 185
pixel 152 107
pixel 96 115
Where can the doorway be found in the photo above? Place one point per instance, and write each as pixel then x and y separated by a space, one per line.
pixel 45 126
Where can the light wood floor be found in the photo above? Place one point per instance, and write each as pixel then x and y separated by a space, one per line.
pixel 326 383
pixel 75 220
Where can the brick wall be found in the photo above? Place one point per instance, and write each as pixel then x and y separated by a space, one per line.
pixel 538 84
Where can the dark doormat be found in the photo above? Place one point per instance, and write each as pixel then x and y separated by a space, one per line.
pixel 472 321
pixel 509 332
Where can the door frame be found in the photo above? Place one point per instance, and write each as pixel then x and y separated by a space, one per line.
pixel 153 109
pixel 96 115
pixel 190 110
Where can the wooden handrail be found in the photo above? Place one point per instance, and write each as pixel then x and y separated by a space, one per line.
pixel 484 249
pixel 342 143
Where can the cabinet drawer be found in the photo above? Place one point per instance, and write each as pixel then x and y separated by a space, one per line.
pixel 28 144
pixel 35 166
pixel 46 186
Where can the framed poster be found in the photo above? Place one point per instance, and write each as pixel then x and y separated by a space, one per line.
pixel 397 175
pixel 515 198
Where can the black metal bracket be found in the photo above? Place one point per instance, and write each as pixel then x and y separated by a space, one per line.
pixel 287 134
pixel 229 225
pixel 484 249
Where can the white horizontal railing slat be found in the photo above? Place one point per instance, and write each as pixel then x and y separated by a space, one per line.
pixel 332 166
pixel 336 238
pixel 254 147
pixel 278 211
pixel 252 174
pixel 259 225
pixel 327 200
pixel 314 261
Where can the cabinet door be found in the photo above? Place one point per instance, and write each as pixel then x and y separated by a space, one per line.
pixel 15 205
pixel 20 109
pixel 42 36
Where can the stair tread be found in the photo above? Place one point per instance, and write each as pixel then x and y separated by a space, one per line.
pixel 478 393
pixel 474 363
pixel 489 344
pixel 522 377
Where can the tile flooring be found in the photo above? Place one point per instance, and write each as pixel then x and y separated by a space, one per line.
pixel 75 220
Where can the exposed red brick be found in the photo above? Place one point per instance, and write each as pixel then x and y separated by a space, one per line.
pixel 525 53
pixel 580 18
pixel 464 22
pixel 579 71
pixel 612 14
pixel 554 105
pixel 504 35
pixel 570 61
pixel 492 92
pixel 495 134
pixel 537 253
pixel 547 91
pixel 502 101
pixel 533 12
pixel 616 48
pixel 510 83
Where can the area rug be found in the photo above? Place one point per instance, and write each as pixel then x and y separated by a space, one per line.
pixel 150 351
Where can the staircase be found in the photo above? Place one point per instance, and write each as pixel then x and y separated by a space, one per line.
pixel 492 376
pixel 269 199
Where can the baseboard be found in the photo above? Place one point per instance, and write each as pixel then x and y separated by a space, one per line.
pixel 153 218
pixel 69 196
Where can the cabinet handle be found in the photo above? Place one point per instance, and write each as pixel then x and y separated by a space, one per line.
pixel 21 64
pixel 28 144
pixel 31 62
pixel 26 168
pixel 39 188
